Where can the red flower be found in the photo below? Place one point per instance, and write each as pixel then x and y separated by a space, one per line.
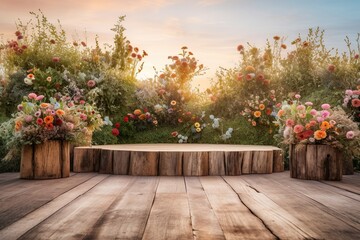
pixel 117 125
pixel 240 47
pixel 305 135
pixel 126 119
pixel 52 41
pixel 268 111
pixel 39 121
pixel 174 134
pixel 56 59
pixel 83 44
pixel 58 122
pixel 331 68
pixel 49 126
pixel 115 132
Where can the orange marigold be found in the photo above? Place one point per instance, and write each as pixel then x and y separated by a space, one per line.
pixel 276 38
pixel 142 117
pixel 18 125
pixel 261 106
pixel 48 119
pixel 257 114
pixel 320 134
pixel 325 125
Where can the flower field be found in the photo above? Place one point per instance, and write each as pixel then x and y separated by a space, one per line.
pixel 285 92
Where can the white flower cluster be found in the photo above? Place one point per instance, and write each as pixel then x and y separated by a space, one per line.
pixel 158 108
pixel 227 135
pixel 216 121
pixel 182 139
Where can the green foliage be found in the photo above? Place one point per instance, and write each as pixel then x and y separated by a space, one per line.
pixel 104 137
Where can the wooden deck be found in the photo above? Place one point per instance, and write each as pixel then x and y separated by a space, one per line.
pixel 102 206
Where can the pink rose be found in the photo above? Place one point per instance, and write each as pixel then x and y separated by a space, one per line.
pixel 325 106
pixel 32 96
pixel 39 98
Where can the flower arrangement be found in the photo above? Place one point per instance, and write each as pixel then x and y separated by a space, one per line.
pixel 260 111
pixel 141 119
pixel 302 124
pixel 37 121
pixel 352 102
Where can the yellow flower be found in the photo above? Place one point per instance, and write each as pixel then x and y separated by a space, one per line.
pixel 261 106
pixel 48 119
pixel 173 103
pixel 60 112
pixel 320 134
pixel 198 129
pixel 197 125
pixel 137 112
pixel 257 114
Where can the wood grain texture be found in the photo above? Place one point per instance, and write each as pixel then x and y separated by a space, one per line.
pixel 144 163
pixel 216 163
pixel 87 159
pixel 170 163
pixel 235 219
pixel 106 161
pixel 121 162
pixel 27 164
pixel 196 164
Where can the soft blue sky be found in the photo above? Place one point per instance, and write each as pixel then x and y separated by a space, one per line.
pixel 210 28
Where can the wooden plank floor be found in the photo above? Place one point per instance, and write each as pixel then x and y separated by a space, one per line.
pixel 101 206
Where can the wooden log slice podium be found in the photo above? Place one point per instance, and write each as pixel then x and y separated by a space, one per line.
pixel 178 159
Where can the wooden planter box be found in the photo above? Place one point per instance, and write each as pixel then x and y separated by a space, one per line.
pixel 48 160
pixel 315 162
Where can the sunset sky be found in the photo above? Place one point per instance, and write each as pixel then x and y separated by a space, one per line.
pixel 210 28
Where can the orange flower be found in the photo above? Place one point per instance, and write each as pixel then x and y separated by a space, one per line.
pixel 276 38
pixel 60 112
pixel 31 76
pixel 48 119
pixel 325 125
pixel 44 105
pixel 320 134
pixel 18 125
pixel 137 112
pixel 173 103
pixel 283 46
pixel 257 114
pixel 250 69
pixel 261 106
pixel 142 117
pixel 307 126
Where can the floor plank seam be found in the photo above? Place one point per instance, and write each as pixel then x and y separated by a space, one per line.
pixel 191 218
pixel 64 205
pixel 150 209
pixel 344 189
pixel 265 225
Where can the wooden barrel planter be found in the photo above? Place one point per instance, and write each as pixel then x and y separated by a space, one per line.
pixel 48 160
pixel 315 162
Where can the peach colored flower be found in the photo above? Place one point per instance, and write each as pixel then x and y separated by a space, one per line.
pixel 320 134
pixel 60 112
pixel 44 105
pixel 173 103
pixel 280 113
pixel 174 134
pixel 18 125
pixel 298 128
pixel 137 112
pixel 283 46
pixel 261 106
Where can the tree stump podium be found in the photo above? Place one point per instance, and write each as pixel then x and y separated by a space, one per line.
pixel 48 160
pixel 315 162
